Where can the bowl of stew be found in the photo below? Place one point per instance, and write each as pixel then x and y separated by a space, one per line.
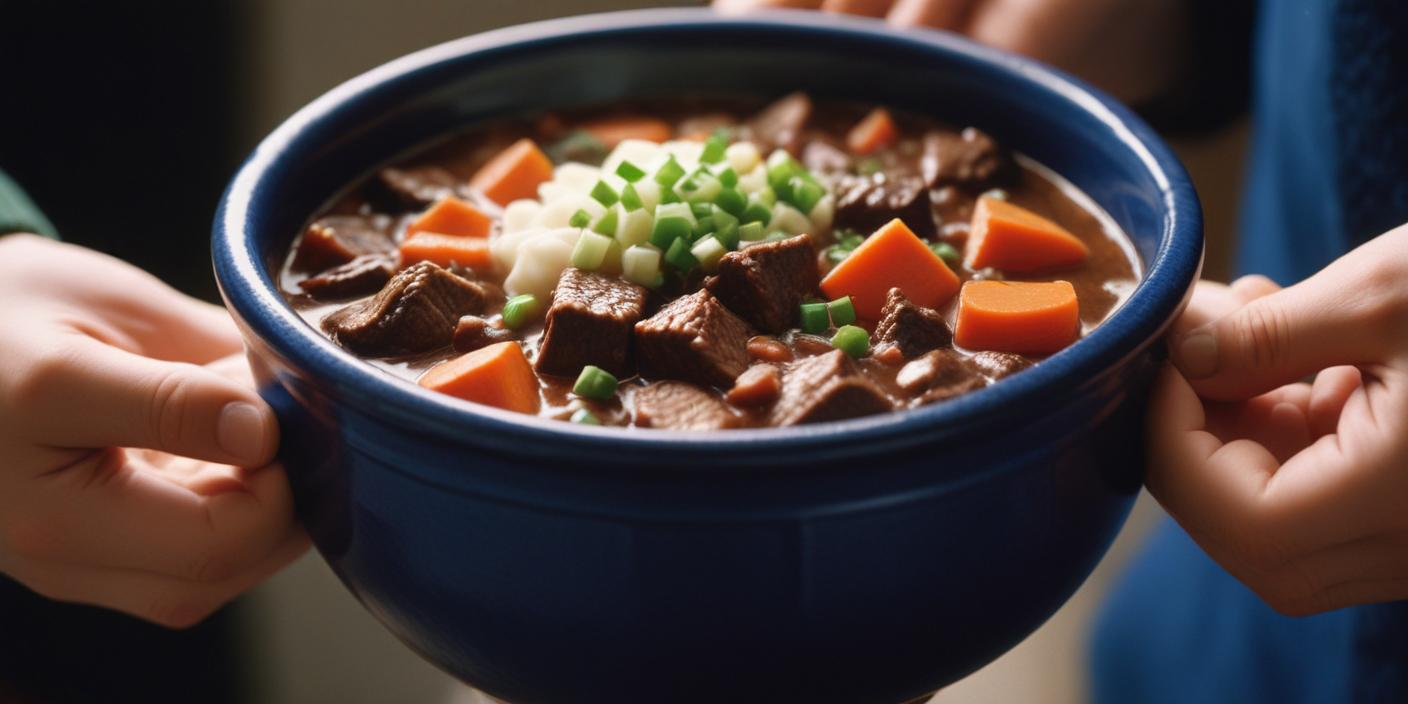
pixel 665 356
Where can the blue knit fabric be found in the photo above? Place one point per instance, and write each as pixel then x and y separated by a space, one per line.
pixel 1329 170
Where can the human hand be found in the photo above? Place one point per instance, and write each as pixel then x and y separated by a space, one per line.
pixel 96 355
pixel 1134 50
pixel 1300 490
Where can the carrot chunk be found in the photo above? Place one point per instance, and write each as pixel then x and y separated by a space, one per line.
pixel 893 256
pixel 452 216
pixel 876 131
pixel 1036 318
pixel 498 375
pixel 514 173
pixel 612 131
pixel 1011 238
pixel 445 250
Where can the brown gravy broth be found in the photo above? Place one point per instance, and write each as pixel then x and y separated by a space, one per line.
pixel 1102 283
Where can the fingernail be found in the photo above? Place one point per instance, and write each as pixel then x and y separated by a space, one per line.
pixel 240 431
pixel 1197 354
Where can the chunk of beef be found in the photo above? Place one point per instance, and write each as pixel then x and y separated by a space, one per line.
pixel 825 158
pixel 359 277
pixel 416 312
pixel 997 365
pixel 590 322
pixel 678 405
pixel 693 338
pixel 969 158
pixel 912 328
pixel 416 187
pixel 780 124
pixel 765 283
pixel 826 387
pixel 864 203
pixel 473 332
pixel 938 375
pixel 337 239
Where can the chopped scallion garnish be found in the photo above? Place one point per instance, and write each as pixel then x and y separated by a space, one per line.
pixel 732 200
pixel 581 218
pixel 585 417
pixel 630 172
pixel 679 256
pixel 520 310
pixel 708 251
pixel 728 177
pixel 714 148
pixel 640 264
pixel 606 225
pixel 669 173
pixel 604 194
pixel 946 252
pixel 751 231
pixel 590 251
pixel 814 318
pixel 630 200
pixel 595 383
pixel 842 311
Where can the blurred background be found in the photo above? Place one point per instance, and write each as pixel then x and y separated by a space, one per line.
pixel 126 137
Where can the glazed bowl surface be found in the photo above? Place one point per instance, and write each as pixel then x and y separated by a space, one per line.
pixel 871 560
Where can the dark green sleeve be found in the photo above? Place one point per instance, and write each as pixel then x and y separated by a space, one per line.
pixel 18 213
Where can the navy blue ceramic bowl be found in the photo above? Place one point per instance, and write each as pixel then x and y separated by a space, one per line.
pixel 871 560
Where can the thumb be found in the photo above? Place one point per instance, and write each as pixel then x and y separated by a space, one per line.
pixel 1286 336
pixel 102 396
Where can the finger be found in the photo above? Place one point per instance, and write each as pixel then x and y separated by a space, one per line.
pixel 733 7
pixel 1210 487
pixel 167 601
pixel 935 14
pixel 1317 581
pixel 864 8
pixel 112 511
pixel 1328 395
pixel 1253 286
pixel 1277 420
pixel 1211 300
pixel 143 314
pixel 94 395
pixel 1275 340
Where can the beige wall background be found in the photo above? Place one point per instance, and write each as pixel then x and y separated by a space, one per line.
pixel 311 642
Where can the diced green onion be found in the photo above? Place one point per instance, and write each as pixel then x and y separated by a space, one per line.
pixel 595 383
pixel 585 417
pixel 814 318
pixel 606 224
pixel 708 251
pixel 777 236
pixel 781 168
pixel 604 194
pixel 757 212
pixel 668 195
pixel 679 255
pixel 728 234
pixel 640 264
pixel 667 230
pixel 707 188
pixel 675 210
pixel 789 219
pixel 657 282
pixel 852 340
pixel 946 252
pixel 751 231
pixel 635 228
pixel 669 173
pixel 728 177
pixel 630 172
pixel 590 251
pixel 805 193
pixel 714 148
pixel 701 210
pixel 766 196
pixel 630 200
pixel 722 218
pixel 703 227
pixel 521 310
pixel 842 311
pixel 581 218
pixel 731 200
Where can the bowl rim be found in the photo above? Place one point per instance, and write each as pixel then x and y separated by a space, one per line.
pixel 253 296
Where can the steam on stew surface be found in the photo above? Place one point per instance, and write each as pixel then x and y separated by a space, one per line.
pixel 707 264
